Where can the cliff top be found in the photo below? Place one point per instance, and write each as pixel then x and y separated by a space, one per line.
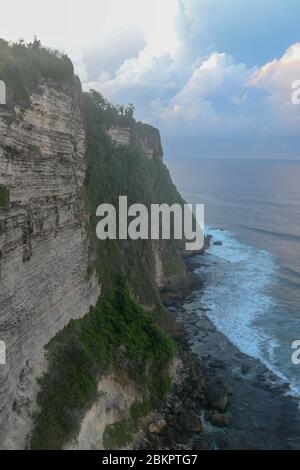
pixel 23 66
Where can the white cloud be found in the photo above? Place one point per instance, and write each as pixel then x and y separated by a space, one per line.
pixel 141 80
pixel 212 97
pixel 103 59
pixel 275 79
pixel 192 110
pixel 73 25
pixel 161 55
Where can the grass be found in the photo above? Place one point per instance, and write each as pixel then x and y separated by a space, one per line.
pixel 34 149
pixel 23 66
pixel 115 335
pixel 4 196
pixel 118 435
pixel 140 409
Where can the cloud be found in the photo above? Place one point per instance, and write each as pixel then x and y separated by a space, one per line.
pixel 213 97
pixel 104 58
pixel 204 71
pixel 206 97
pixel 207 102
pixel 141 80
pixel 275 78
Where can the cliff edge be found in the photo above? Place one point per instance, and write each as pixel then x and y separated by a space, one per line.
pixel 62 153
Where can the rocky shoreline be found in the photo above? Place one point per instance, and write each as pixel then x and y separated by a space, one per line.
pixel 224 398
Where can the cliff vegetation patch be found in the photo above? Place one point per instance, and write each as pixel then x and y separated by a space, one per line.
pixel 118 334
pixel 119 434
pixel 23 66
pixel 124 170
pixel 4 196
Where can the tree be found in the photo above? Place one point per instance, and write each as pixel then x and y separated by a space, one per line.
pixel 129 112
pixel 36 43
pixel 98 99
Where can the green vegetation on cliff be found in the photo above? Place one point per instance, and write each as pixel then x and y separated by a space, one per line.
pixel 22 67
pixel 4 196
pixel 112 170
pixel 115 170
pixel 119 434
pixel 116 335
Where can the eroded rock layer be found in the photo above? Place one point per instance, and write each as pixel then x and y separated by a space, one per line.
pixel 43 241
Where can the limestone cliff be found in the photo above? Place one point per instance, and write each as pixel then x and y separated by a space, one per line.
pixel 58 161
pixel 43 239
pixel 147 136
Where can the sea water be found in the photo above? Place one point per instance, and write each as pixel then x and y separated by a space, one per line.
pixel 252 280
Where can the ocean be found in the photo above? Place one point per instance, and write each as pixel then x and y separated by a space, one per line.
pixel 252 281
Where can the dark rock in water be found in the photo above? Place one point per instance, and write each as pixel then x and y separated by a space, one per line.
pixel 172 437
pixel 218 394
pixel 201 445
pixel 218 243
pixel 221 420
pixel 210 442
pixel 157 425
pixel 190 421
pixel 245 369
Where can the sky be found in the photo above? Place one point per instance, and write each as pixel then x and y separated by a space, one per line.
pixel 214 75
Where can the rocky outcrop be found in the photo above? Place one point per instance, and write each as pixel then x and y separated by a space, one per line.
pixel 43 242
pixel 147 136
pixel 180 420
pixel 119 135
pixel 116 395
pixel 150 151
pixel 157 425
pixel 150 142
pixel 218 394
pixel 220 420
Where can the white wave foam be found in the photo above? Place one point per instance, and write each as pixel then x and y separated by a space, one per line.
pixel 241 306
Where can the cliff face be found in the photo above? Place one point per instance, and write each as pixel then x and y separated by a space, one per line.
pixel 59 161
pixel 147 136
pixel 119 135
pixel 43 240
pixel 124 157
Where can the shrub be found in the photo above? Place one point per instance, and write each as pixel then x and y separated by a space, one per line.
pixel 123 170
pixel 23 66
pixel 117 334
pixel 4 196
pixel 119 434
pixel 140 409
